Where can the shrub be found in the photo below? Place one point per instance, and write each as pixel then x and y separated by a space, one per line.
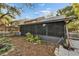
pixel 29 37
pixel 33 38
pixel 4 40
pixel 4 44
pixel 5 48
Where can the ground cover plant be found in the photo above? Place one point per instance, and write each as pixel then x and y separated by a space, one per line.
pixel 33 38
pixel 5 44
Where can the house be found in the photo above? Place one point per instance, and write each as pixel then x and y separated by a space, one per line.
pixel 47 28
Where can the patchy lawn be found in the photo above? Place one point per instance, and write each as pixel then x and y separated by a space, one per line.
pixel 24 48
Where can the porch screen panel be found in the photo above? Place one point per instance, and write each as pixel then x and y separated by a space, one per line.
pixel 56 29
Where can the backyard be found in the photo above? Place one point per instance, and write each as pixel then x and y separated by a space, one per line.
pixel 25 48
pixel 36 29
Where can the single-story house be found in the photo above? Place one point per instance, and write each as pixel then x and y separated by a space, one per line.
pixel 52 28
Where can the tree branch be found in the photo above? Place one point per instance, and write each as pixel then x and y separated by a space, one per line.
pixel 4 15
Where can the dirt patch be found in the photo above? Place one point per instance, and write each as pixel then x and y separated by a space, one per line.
pixel 24 48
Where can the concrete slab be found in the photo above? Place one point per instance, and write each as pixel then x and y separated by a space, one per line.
pixel 64 52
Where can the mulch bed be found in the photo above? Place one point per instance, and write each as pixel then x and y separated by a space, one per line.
pixel 24 48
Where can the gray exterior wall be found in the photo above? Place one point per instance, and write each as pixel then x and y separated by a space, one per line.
pixel 56 29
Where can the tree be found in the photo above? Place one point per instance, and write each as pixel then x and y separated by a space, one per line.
pixel 11 11
pixel 76 9
pixel 69 11
pixel 8 15
pixel 8 12
pixel 6 20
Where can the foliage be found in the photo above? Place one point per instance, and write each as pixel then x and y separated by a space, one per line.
pixel 72 26
pixel 4 40
pixel 33 38
pixel 70 11
pixel 5 48
pixel 10 11
pixel 76 9
pixel 6 20
pixel 4 44
pixel 67 11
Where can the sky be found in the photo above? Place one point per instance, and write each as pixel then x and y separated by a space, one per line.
pixel 39 9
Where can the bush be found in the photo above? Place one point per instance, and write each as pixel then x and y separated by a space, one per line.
pixel 4 44
pixel 33 38
pixel 5 48
pixel 4 40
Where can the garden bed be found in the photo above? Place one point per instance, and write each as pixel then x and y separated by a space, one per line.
pixel 25 48
pixel 5 45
